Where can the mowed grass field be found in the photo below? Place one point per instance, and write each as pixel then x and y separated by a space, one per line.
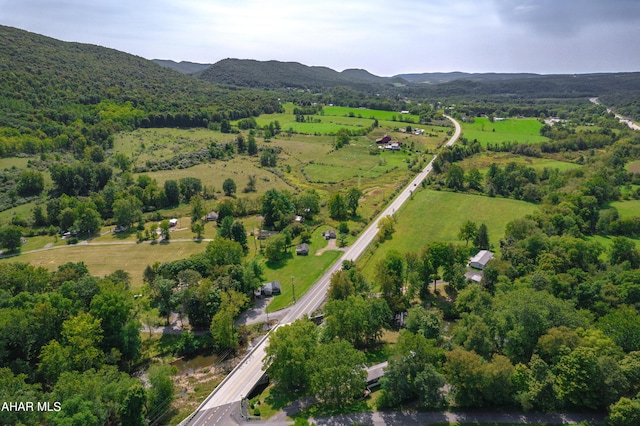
pixel 437 216
pixel 634 166
pixel 305 270
pixel 370 113
pixel 522 130
pixel 627 208
pixel 483 160
pixel 214 174
pixel 143 145
pixel 105 259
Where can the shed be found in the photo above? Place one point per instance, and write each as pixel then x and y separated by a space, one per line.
pixel 173 222
pixel 267 289
pixel 480 260
pixel 270 288
pixel 302 249
pixel 263 235
pixel 212 216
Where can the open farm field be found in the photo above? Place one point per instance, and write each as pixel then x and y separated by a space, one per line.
pixel 214 174
pixel 628 189
pixel 322 125
pixel 633 166
pixel 437 216
pixel 522 130
pixel 23 210
pixel 485 159
pixel 432 139
pixel 144 145
pixel 301 149
pixel 11 162
pixel 105 259
pixel 370 113
pixel 607 241
pixel 627 208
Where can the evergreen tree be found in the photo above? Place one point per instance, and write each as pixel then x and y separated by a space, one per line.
pixel 481 239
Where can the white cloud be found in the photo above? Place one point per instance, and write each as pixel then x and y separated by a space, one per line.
pixel 381 36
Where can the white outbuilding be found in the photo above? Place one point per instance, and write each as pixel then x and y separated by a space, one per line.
pixel 480 260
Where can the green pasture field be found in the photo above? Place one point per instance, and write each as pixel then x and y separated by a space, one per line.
pixel 627 208
pixel 23 210
pixel 627 189
pixel 325 125
pixel 143 145
pixel 484 160
pixel 432 139
pixel 369 113
pixel 607 241
pixel 11 162
pixel 633 166
pixel 305 270
pixel 437 216
pixel 303 148
pixel 214 174
pixel 522 130
pixel 105 259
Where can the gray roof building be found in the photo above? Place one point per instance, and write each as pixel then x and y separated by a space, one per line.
pixel 480 260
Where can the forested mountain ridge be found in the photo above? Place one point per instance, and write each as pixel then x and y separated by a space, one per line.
pixel 55 94
pixel 184 67
pixel 276 74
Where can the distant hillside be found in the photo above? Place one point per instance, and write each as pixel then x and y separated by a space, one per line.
pixel 276 74
pixel 445 77
pixel 184 67
pixel 542 86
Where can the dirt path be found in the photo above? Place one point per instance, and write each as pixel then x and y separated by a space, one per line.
pixel 331 245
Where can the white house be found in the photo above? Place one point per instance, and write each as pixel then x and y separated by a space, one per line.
pixel 480 260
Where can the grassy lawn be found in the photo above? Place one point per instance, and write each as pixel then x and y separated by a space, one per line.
pixel 305 270
pixel 369 113
pixel 606 242
pixel 155 144
pixel 633 166
pixel 437 216
pixel 627 208
pixel 483 160
pixel 523 130
pixel 213 174
pixel 105 259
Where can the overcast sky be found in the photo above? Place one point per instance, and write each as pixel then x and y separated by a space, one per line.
pixel 384 37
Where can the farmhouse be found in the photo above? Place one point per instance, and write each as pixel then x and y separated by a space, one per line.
pixel 384 140
pixel 480 260
pixel 329 235
pixel 392 146
pixel 302 249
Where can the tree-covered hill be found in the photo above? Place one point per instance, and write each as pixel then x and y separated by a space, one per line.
pixel 184 67
pixel 276 74
pixel 55 94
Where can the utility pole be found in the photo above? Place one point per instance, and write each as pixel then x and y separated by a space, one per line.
pixel 293 290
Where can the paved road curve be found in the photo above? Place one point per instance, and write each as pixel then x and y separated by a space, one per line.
pixel 241 381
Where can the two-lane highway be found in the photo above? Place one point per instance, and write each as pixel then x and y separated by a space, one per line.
pixel 241 381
